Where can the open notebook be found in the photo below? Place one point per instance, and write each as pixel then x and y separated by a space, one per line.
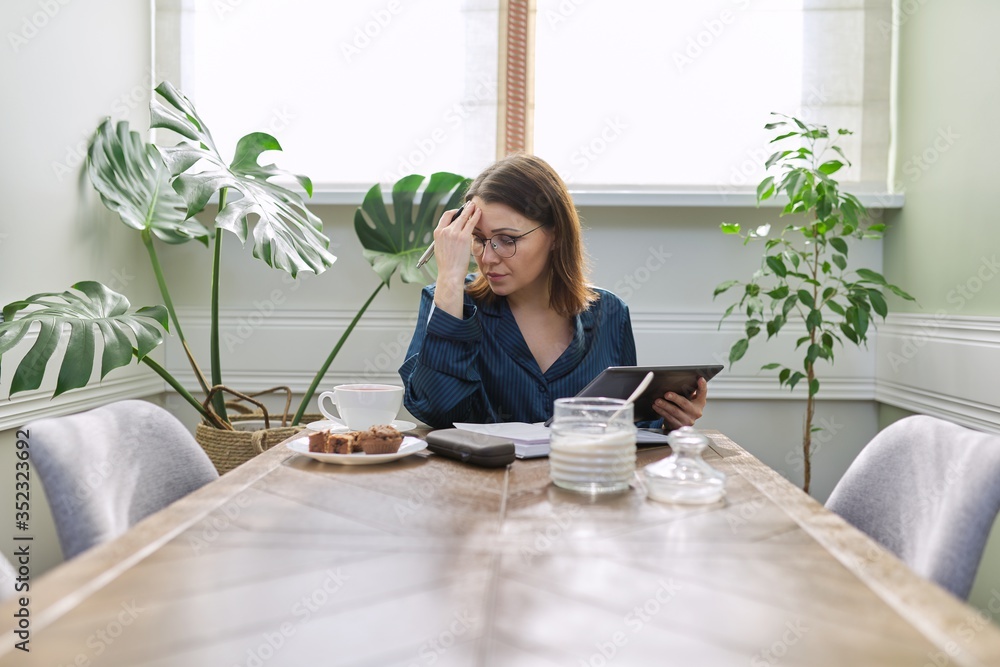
pixel 532 440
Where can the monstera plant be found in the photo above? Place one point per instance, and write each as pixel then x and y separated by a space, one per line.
pixel 158 191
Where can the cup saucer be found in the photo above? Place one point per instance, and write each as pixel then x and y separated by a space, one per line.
pixel 337 426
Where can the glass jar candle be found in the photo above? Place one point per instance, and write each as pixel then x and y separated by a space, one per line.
pixel 592 445
pixel 684 477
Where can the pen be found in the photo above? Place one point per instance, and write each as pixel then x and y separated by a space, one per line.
pixel 430 249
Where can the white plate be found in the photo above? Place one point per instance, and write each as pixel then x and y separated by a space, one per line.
pixel 336 426
pixel 410 445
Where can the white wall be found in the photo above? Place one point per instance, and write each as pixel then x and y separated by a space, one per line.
pixel 65 66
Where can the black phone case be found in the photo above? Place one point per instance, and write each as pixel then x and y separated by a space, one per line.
pixel 487 451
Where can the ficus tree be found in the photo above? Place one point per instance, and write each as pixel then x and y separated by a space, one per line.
pixel 806 274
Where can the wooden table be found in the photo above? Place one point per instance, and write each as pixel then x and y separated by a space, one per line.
pixel 423 561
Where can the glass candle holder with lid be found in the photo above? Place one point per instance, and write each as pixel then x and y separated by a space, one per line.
pixel 684 476
pixel 592 445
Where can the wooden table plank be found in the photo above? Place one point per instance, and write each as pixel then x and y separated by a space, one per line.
pixel 286 561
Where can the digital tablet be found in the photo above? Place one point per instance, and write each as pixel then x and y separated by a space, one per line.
pixel 621 381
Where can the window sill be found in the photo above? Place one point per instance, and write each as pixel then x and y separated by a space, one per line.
pixel 708 197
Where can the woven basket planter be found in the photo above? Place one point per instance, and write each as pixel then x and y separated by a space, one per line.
pixel 228 449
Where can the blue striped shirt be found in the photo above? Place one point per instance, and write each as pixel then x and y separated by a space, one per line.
pixel 480 369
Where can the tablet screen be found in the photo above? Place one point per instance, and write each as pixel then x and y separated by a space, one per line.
pixel 621 381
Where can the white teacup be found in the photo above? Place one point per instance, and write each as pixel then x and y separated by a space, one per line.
pixel 363 405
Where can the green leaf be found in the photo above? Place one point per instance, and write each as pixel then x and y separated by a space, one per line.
pixel 784 375
pixel 794 380
pixel 790 303
pixel 779 292
pixel 835 307
pixel 860 322
pixel 840 261
pixel 770 367
pixel 730 227
pixel 396 242
pixel 723 286
pixel 286 234
pixel 839 244
pixel 878 302
pixel 900 293
pixel 814 319
pixel 729 311
pixel 134 182
pixel 774 326
pixel 738 349
pixel 830 167
pixel 765 189
pixel 814 387
pixel 812 353
pixel 849 332
pixel 871 276
pixel 72 316
pixel 775 264
pixel 806 298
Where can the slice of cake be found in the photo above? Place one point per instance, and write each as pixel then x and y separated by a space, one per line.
pixel 318 442
pixel 324 442
pixel 343 443
pixel 380 439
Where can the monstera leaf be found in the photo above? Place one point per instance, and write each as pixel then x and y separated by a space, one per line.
pixel 397 241
pixel 79 317
pixel 134 182
pixel 286 234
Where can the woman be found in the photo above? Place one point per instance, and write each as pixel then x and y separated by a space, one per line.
pixel 503 344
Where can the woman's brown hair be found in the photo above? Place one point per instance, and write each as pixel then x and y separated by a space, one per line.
pixel 529 186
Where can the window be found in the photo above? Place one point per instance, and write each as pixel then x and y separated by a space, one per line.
pixel 632 94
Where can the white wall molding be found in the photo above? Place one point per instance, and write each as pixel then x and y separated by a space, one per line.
pixel 29 406
pixel 286 346
pixel 942 365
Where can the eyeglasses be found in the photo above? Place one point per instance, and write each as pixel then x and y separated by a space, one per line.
pixel 503 245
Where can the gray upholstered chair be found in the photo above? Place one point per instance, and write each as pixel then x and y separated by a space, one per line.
pixel 7 576
pixel 106 469
pixel 927 490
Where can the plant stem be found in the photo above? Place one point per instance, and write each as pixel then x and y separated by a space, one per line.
pixel 329 360
pixel 810 376
pixel 218 400
pixel 162 372
pixel 147 240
